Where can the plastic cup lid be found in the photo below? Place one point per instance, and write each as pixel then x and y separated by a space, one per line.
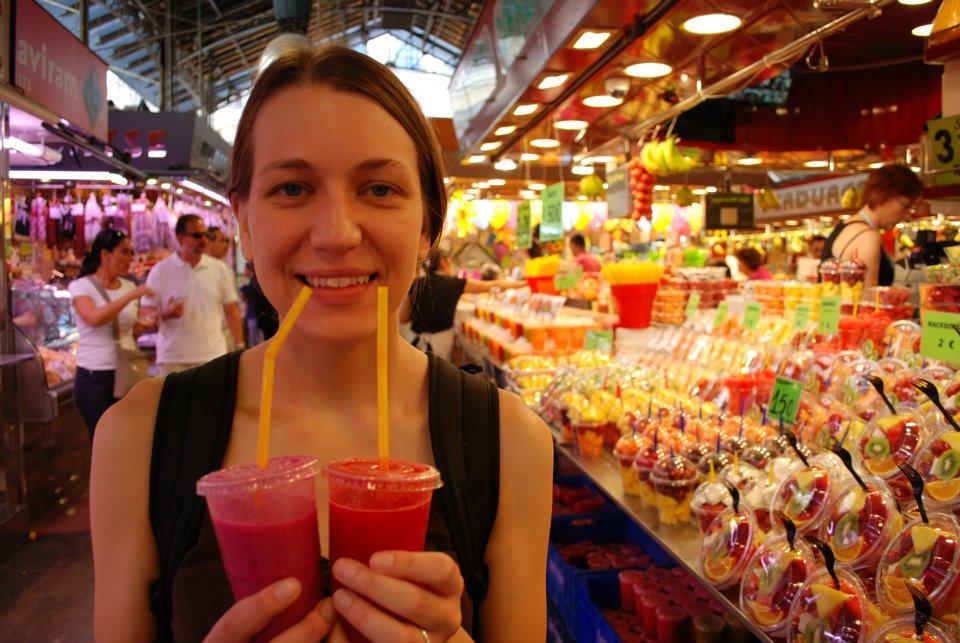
pixel 677 464
pixel 400 475
pixel 248 477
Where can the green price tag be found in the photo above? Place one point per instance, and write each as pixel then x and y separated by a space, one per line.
pixel 693 302
pixel 940 338
pixel 551 228
pixel 785 400
pixel 524 239
pixel 599 340
pixel 566 282
pixel 801 317
pixel 722 309
pixel 945 149
pixel 829 323
pixel 751 315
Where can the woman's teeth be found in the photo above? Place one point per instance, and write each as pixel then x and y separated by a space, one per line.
pixel 336 282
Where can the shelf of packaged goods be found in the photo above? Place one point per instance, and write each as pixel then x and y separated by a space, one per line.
pixel 682 542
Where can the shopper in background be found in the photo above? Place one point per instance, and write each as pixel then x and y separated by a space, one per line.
pixel 262 319
pixel 490 272
pixel 432 305
pixel 218 247
pixel 101 274
pixel 889 196
pixel 751 263
pixel 584 258
pixel 815 247
pixel 192 292
pixel 335 173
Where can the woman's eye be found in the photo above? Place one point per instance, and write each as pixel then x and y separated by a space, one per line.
pixel 380 190
pixel 292 190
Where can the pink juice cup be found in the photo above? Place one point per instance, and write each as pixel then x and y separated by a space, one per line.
pixel 266 526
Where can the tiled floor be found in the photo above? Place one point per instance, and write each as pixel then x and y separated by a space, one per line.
pixel 46 590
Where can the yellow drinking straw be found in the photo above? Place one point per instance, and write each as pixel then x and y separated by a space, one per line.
pixel 269 366
pixel 383 431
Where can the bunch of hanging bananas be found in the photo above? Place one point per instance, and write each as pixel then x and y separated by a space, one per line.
pixel 767 200
pixel 852 199
pixel 665 158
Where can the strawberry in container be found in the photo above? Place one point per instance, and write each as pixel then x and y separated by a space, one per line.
pixel 887 440
pixel 771 581
pixel 728 545
pixel 832 607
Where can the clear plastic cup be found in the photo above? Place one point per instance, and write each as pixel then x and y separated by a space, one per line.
pixel 903 629
pixel 758 496
pixel 727 547
pixel 709 500
pixel 860 523
pixel 887 440
pixel 625 452
pixel 265 520
pixel 739 475
pixel 643 468
pixel 674 481
pixel 928 556
pixel 589 438
pixel 771 581
pixel 939 464
pixel 804 497
pixel 823 612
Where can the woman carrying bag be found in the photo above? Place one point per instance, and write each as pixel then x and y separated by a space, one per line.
pixel 108 362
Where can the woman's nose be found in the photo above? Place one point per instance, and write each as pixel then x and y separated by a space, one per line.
pixel 334 228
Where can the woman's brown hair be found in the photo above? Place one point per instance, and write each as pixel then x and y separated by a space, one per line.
pixel 889 182
pixel 752 257
pixel 349 71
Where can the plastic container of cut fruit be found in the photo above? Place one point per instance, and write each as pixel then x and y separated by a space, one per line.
pixel 904 630
pixel 643 467
pixel 709 500
pixel 589 438
pixel 804 497
pixel 821 611
pixel 674 479
pixel 928 556
pixel 771 580
pixel 728 544
pixel 861 523
pixel 888 439
pixel 625 452
pixel 758 496
pixel 939 464
pixel 739 474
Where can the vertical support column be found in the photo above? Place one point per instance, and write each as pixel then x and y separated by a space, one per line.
pixel 167 71
pixel 951 88
pixel 83 7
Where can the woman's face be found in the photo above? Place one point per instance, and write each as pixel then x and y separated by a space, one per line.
pixel 117 261
pixel 334 203
pixel 894 211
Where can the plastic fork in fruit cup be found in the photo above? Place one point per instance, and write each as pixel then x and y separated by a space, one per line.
pixel 832 605
pixel 919 627
pixel 939 464
pixel 728 544
pixel 771 580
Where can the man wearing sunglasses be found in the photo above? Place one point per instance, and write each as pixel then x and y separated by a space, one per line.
pixel 193 292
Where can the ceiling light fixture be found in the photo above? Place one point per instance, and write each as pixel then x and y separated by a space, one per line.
pixel 527 194
pixel 476 158
pixel 553 81
pixel 648 70
pixel 205 191
pixel 571 124
pixel 157 154
pixel 600 158
pixel 68 175
pixel 816 164
pixel 916 168
pixel 922 31
pixel 505 165
pixel 710 189
pixel 602 100
pixel 699 191
pixel 164 186
pixel 591 39
pixel 914 3
pixel 581 170
pixel 878 164
pixel 496 182
pixel 151 181
pixel 711 24
pixel 750 160
pixel 490 146
pixel 504 130
pixel 525 109
pixel 526 157
pixel 537 186
pixel 483 185
pixel 545 142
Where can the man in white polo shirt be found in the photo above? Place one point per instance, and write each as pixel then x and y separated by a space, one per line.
pixel 192 293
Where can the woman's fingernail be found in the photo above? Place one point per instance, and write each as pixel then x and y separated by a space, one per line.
pixel 346 569
pixel 382 560
pixel 327 611
pixel 287 588
pixel 342 598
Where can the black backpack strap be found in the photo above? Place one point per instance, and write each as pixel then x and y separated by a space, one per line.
pixel 465 434
pixel 194 420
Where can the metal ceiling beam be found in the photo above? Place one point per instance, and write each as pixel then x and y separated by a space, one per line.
pixel 260 26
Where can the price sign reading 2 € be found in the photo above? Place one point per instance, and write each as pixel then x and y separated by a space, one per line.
pixel 829 322
pixel 940 338
pixel 785 400
pixel 751 315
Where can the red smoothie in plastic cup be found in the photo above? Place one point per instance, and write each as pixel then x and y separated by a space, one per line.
pixel 628 581
pixel 266 526
pixel 671 623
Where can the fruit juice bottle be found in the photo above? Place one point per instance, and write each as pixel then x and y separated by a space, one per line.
pixel 771 580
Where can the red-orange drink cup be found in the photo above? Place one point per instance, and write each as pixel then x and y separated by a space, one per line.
pixel 265 520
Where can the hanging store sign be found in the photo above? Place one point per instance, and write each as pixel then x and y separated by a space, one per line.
pixel 524 239
pixel 6 52
pixel 813 197
pixel 944 136
pixel 57 70
pixel 729 211
pixel 551 227
pixel 619 201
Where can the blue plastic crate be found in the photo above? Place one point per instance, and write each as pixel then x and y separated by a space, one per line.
pixel 599 590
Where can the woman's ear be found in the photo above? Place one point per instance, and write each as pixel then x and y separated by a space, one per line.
pixel 239 208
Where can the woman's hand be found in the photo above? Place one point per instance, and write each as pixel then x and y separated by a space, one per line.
pixel 247 617
pixel 422 589
pixel 142 291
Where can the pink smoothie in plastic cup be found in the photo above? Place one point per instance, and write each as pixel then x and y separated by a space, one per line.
pixel 266 525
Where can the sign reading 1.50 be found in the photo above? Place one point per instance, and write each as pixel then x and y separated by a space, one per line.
pixel 944 136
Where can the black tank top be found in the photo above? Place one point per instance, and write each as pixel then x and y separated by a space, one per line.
pixel 886 272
